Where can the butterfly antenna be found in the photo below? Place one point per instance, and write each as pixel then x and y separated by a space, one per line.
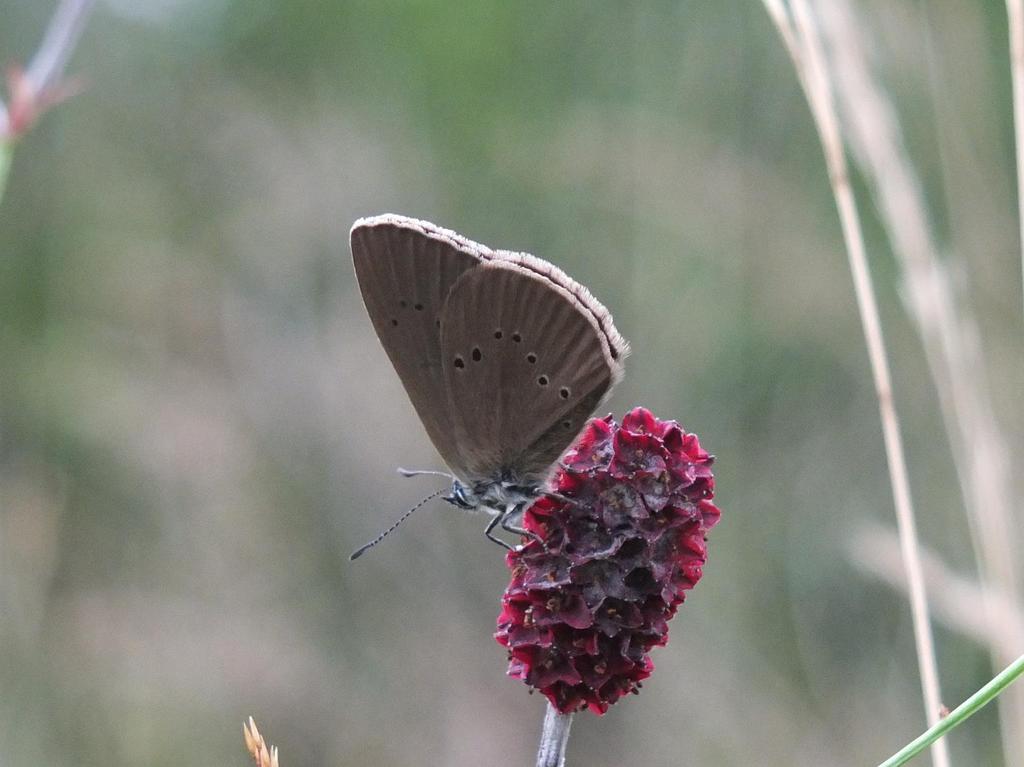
pixel 418 472
pixel 362 549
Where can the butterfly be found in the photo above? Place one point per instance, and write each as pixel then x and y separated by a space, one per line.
pixel 503 355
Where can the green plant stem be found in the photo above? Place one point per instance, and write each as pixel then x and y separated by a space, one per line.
pixel 959 715
pixel 6 153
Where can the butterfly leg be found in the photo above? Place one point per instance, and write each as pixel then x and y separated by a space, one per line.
pixel 559 497
pixel 490 527
pixel 511 511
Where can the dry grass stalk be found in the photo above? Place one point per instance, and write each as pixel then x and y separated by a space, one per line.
pixel 262 755
pixel 1015 19
pixel 805 48
pixel 954 598
pixel 948 333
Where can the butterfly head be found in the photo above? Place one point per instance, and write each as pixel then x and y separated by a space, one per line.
pixel 462 496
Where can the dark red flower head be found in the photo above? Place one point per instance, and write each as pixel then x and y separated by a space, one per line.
pixel 620 543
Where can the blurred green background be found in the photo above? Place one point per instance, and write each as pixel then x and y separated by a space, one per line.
pixel 197 424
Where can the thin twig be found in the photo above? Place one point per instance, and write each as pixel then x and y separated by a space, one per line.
pixel 1015 18
pixel 65 28
pixel 40 85
pixel 554 738
pixel 801 38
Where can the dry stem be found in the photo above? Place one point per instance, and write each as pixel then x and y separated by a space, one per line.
pixel 47 66
pixel 262 755
pixel 40 85
pixel 953 597
pixel 804 45
pixel 948 332
pixel 1015 18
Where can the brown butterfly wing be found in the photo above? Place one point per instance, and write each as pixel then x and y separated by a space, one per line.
pixel 405 269
pixel 526 360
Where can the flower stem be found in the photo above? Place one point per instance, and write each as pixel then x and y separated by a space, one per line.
pixel 554 738
pixel 6 153
pixel 958 715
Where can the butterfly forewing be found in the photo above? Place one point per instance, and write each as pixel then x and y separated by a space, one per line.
pixel 406 269
pixel 525 362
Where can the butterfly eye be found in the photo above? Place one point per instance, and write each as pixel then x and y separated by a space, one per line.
pixel 477 355
pixel 403 303
pixel 418 307
pixel 563 392
pixel 543 380
pixel 394 322
pixel 516 337
pixel 498 334
pixel 531 358
pixel 459 362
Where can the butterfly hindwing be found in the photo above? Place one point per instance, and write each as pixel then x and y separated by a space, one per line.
pixel 525 362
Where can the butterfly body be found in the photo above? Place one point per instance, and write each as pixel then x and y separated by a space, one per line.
pixel 503 355
pixel 491 495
